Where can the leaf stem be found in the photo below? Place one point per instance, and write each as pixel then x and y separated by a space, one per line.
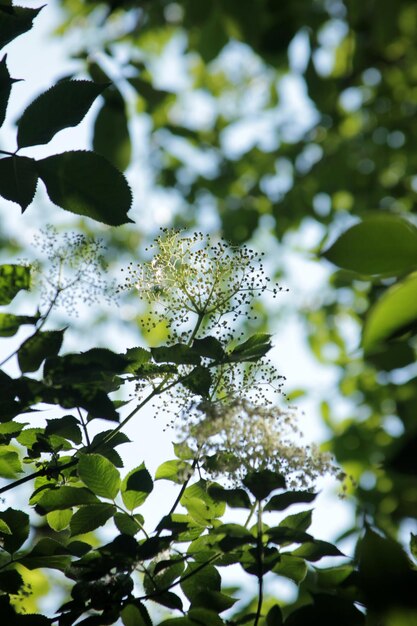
pixel 259 556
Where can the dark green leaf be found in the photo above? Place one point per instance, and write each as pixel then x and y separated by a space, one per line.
pixel 37 348
pixel 6 83
pixel 198 381
pixel 252 349
pixel 18 522
pixel 10 324
pixel 298 521
pixel 199 579
pixel 179 353
pixel 66 426
pixel 327 609
pixel 63 105
pixel 393 313
pixel 282 535
pixel 315 550
pixel 92 366
pixel 18 180
pixel 85 183
pixel 10 581
pixel 274 616
pixel 15 21
pixel 260 484
pixel 136 487
pixel 391 356
pixel 47 553
pixel 209 347
pixel 413 545
pixel 235 498
pixel 111 136
pixel 13 278
pixel 205 616
pixel 382 245
pixel 291 567
pixel 99 474
pixel 135 615
pixel 90 517
pixel 127 524
pixel 284 500
pixel 65 497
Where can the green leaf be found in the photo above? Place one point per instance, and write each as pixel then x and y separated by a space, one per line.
pixel 37 348
pixel 47 553
pixel 298 521
pixel 64 498
pixel 18 522
pixel 260 484
pixel 198 579
pixel 10 464
pixel 4 528
pixel 176 470
pixel 13 278
pixel 85 183
pixel 136 487
pixel 413 545
pixel 10 324
pixel 274 616
pixel 393 313
pixel 6 83
pixel 135 615
pixel 66 426
pixel 291 567
pixel 197 500
pixel 235 498
pixel 111 136
pixel 252 349
pixel 18 180
pixel 315 550
pixel 99 474
pixel 59 520
pixel 127 524
pixel 204 616
pixel 284 500
pixel 90 517
pixel 209 347
pixel 10 581
pixel 381 245
pixel 179 353
pixel 62 106
pixel 198 381
pixel 15 21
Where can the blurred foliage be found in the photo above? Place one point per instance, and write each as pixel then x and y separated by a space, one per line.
pixel 224 138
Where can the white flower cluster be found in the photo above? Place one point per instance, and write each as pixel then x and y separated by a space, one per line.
pixel 74 271
pixel 192 277
pixel 239 437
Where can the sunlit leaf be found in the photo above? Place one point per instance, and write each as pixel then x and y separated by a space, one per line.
pixel 136 487
pixel 382 245
pixel 392 314
pixel 13 278
pixel 99 474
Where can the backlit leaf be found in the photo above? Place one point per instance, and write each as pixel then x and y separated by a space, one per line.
pixel 13 278
pixel 85 183
pixel 63 105
pixel 99 474
pixel 381 245
pixel 392 314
